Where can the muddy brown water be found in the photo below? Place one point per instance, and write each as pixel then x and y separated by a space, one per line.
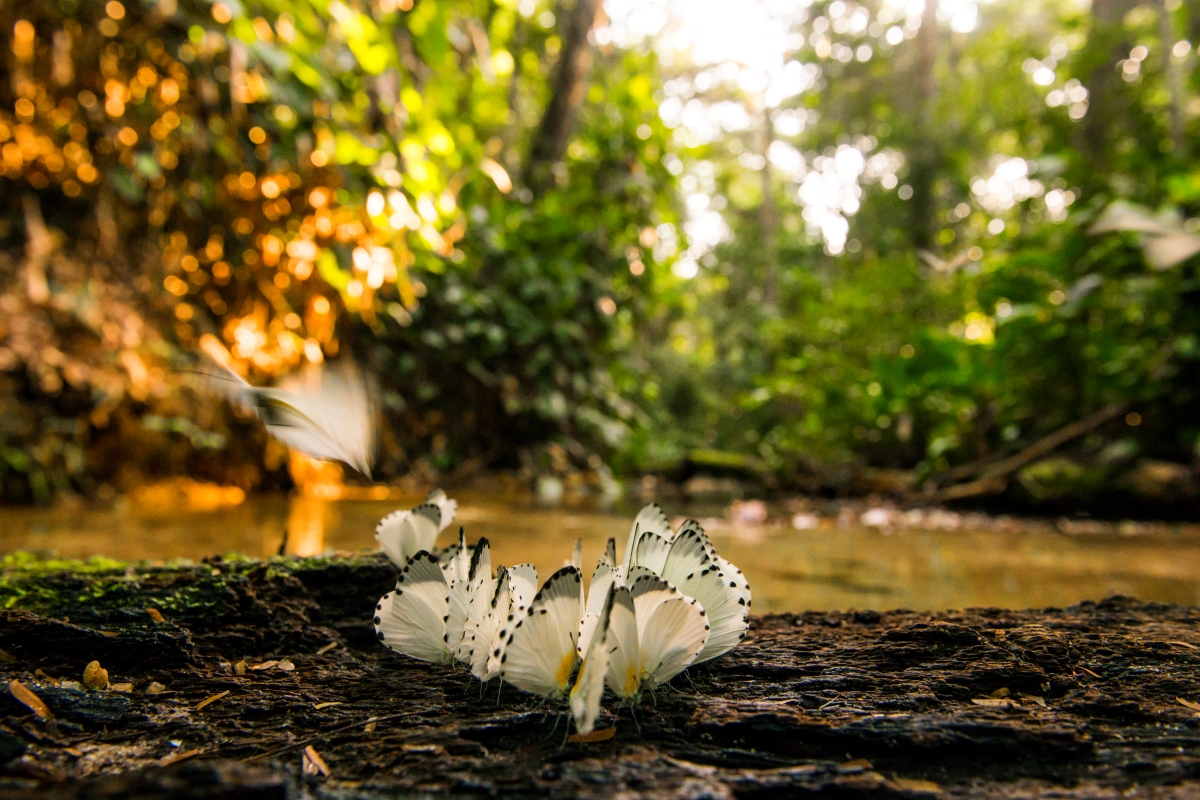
pixel 827 568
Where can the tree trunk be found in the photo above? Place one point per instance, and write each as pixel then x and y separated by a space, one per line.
pixel 767 216
pixel 925 155
pixel 1107 45
pixel 1172 76
pixel 570 84
pixel 1083 702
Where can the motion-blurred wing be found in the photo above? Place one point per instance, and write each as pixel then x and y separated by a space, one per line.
pixel 1164 252
pixel 1123 216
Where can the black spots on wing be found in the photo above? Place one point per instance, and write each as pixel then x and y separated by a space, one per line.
pixel 446 638
pixel 706 627
pixel 379 606
pixel 741 636
pixel 544 611
pixel 399 592
pixel 702 612
pixel 380 635
pixel 446 618
pixel 510 617
pixel 378 621
pixel 741 601
pixel 733 584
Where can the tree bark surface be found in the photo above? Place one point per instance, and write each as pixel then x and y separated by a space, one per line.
pixel 1090 701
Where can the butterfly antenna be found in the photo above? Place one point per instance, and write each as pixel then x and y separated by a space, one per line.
pixel 636 724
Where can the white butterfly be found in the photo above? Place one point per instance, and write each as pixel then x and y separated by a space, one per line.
pixel 403 533
pixel 687 560
pixel 327 414
pixel 588 690
pixel 1165 242
pixel 539 655
pixel 470 602
pixel 692 566
pixel 514 591
pixel 412 619
pixel 652 633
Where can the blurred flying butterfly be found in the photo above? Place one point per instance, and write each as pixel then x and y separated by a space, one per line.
pixel 328 414
pixel 1165 242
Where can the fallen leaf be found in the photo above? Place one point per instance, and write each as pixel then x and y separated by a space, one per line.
pixel 109 634
pixel 121 687
pixel 1188 645
pixel 602 735
pixel 25 696
pixel 1035 700
pixel 1089 672
pixel 856 764
pixel 73 751
pixel 327 648
pixel 1001 692
pixel 424 749
pixel 264 665
pixel 7 657
pixel 76 685
pixel 175 758
pixel 369 727
pixel 210 700
pixel 916 785
pixel 992 702
pixel 155 615
pixel 95 676
pixel 240 667
pixel 285 665
pixel 155 688
pixel 38 673
pixel 327 705
pixel 313 763
pixel 1188 704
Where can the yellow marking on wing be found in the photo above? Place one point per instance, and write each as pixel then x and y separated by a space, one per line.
pixel 631 681
pixel 564 669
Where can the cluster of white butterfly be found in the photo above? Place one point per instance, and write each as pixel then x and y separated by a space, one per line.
pixel 670 602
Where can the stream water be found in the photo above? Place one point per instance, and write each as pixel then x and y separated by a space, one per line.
pixel 824 568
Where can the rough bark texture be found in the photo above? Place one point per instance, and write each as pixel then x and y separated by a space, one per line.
pixel 981 703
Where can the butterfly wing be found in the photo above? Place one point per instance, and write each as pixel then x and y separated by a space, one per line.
pixel 624 676
pixel 446 506
pixel 404 533
pixel 523 579
pixel 649 592
pixel 490 635
pixel 736 579
pixel 589 685
pixel 540 654
pixel 610 551
pixel 1164 252
pixel 689 553
pixel 672 637
pixel 726 609
pixel 339 404
pixel 1124 216
pixel 651 551
pixel 412 619
pixel 605 576
pixel 651 518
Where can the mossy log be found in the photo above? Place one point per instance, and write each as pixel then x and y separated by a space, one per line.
pixel 1089 701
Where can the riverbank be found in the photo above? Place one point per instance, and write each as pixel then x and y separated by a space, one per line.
pixel 1090 700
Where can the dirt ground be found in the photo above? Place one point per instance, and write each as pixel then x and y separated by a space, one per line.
pixel 1097 700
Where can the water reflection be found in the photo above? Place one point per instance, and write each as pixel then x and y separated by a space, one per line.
pixel 789 570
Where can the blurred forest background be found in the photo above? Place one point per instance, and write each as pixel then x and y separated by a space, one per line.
pixel 830 247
